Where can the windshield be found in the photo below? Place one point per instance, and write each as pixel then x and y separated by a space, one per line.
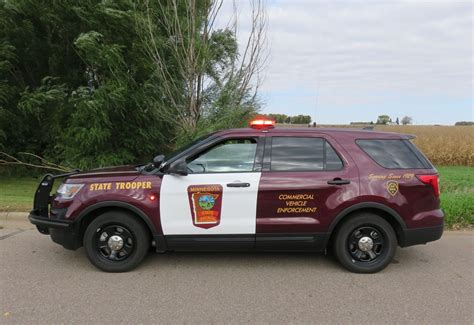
pixel 151 167
pixel 176 153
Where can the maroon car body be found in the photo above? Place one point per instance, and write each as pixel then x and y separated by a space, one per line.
pixel 295 209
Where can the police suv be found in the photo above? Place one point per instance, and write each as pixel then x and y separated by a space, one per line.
pixel 360 193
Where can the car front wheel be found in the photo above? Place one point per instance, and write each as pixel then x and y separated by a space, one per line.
pixel 116 241
pixel 365 243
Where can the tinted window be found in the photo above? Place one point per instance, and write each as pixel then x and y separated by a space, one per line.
pixel 299 154
pixel 397 154
pixel 333 162
pixel 236 155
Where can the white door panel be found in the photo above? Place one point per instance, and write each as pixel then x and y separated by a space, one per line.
pixel 238 204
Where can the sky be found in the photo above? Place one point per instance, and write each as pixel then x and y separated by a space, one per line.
pixel 343 61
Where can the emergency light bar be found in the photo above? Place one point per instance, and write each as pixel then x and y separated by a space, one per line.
pixel 262 123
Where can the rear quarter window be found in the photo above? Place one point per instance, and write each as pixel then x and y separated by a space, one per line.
pixel 394 154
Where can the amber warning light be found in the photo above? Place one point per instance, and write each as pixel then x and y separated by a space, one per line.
pixel 262 123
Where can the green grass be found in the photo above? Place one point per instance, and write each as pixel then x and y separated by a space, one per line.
pixel 457 195
pixel 16 194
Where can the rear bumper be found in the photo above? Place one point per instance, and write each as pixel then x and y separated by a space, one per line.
pixel 61 231
pixel 418 236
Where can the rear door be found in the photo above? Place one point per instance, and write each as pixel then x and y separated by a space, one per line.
pixel 214 206
pixel 306 180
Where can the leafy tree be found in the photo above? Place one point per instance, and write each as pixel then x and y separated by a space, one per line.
pixel 301 119
pixel 79 84
pixel 383 119
pixel 283 118
pixel 464 123
pixel 279 118
pixel 407 120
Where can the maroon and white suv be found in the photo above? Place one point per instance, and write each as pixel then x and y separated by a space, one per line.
pixel 361 193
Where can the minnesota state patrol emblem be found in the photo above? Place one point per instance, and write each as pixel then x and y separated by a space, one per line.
pixel 392 188
pixel 205 202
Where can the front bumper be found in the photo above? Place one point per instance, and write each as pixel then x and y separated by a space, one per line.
pixel 62 232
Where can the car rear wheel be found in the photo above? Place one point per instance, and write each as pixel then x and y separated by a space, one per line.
pixel 365 243
pixel 116 241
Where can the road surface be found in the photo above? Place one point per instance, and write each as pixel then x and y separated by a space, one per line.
pixel 43 283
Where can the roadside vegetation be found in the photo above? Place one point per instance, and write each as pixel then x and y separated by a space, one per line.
pixel 457 192
pixel 16 193
pixel 93 83
pixel 457 195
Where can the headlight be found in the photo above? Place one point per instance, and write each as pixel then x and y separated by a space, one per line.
pixel 68 191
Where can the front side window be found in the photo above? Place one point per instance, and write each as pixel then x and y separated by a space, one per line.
pixel 394 154
pixel 232 155
pixel 303 154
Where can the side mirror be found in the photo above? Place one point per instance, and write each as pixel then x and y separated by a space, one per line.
pixel 178 168
pixel 158 160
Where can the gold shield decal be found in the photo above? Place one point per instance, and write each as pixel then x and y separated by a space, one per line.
pixel 392 188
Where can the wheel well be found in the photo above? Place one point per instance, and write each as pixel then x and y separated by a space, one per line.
pixel 397 227
pixel 88 218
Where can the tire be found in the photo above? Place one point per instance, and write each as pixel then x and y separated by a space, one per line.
pixel 104 235
pixel 354 238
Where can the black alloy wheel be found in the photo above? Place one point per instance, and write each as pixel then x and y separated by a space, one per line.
pixel 116 241
pixel 365 243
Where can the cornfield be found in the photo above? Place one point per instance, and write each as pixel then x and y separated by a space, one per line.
pixel 443 145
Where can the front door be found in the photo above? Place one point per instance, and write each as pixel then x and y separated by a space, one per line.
pixel 214 206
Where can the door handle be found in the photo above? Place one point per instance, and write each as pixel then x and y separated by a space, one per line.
pixel 238 185
pixel 338 181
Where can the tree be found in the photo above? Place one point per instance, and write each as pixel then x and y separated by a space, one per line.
pixel 208 83
pixel 383 119
pixel 301 119
pixel 298 119
pixel 94 83
pixel 407 120
pixel 75 83
pixel 464 123
pixel 279 118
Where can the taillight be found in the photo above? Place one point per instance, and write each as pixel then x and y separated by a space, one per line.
pixel 431 180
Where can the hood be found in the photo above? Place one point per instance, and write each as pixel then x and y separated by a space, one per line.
pixel 125 170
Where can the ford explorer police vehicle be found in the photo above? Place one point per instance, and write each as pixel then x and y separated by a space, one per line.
pixel 360 193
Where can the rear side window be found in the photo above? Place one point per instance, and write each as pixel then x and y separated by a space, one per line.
pixel 303 154
pixel 394 154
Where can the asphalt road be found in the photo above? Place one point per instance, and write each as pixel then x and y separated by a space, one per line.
pixel 43 283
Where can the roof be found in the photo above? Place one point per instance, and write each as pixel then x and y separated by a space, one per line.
pixel 347 132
